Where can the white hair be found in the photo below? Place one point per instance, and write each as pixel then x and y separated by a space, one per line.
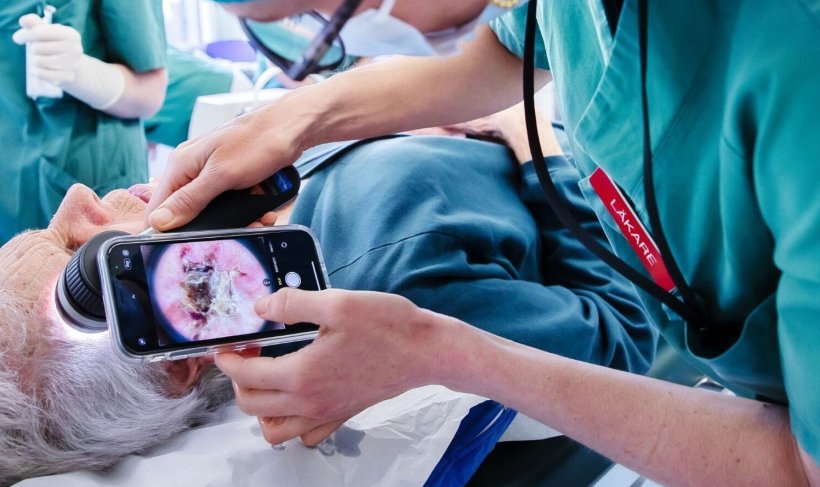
pixel 88 408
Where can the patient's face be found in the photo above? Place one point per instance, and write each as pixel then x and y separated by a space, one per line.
pixel 31 263
pixel 66 400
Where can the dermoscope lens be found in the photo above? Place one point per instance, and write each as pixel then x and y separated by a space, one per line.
pixel 79 291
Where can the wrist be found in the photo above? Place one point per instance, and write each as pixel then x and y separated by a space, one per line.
pixel 308 121
pixel 477 362
pixel 97 84
pixel 450 354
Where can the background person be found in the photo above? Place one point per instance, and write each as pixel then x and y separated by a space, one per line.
pixel 735 194
pixel 109 59
pixel 189 77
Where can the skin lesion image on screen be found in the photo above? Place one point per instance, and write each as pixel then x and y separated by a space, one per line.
pixel 206 290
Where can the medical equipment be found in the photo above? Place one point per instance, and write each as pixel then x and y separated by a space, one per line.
pixel 324 44
pixel 177 295
pixel 312 60
pixel 212 111
pixel 79 289
pixel 35 86
pixel 702 334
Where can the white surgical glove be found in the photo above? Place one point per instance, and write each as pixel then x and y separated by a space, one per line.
pixel 59 59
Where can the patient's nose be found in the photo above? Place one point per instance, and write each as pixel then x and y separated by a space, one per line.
pixel 81 216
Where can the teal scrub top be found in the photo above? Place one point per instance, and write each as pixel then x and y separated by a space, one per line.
pixel 50 144
pixel 189 77
pixel 733 100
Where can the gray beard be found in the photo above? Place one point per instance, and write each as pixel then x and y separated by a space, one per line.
pixel 92 409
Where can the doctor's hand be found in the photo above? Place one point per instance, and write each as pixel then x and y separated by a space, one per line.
pixel 57 49
pixel 371 347
pixel 510 127
pixel 58 58
pixel 238 155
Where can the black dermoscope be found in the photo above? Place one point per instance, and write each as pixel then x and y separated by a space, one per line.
pixel 79 291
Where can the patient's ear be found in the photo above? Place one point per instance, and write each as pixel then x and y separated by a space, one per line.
pixel 184 374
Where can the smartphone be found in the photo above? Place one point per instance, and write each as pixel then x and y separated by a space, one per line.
pixel 177 295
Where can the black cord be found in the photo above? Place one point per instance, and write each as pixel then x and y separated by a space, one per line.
pixel 558 205
pixel 310 61
pixel 649 188
pixel 704 338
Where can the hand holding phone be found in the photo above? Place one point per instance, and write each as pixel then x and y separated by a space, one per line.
pixel 172 296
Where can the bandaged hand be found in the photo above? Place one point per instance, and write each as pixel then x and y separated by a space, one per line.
pixel 59 59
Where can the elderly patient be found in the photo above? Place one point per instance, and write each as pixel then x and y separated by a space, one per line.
pixel 66 401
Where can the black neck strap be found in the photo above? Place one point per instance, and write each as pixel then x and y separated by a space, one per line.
pixel 648 178
pixel 689 311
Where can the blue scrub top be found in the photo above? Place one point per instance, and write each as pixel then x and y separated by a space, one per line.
pixel 733 97
pixel 456 226
pixel 50 144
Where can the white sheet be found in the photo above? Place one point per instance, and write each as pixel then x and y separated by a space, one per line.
pixel 396 443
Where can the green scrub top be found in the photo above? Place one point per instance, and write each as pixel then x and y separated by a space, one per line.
pixel 189 77
pixel 50 144
pixel 733 101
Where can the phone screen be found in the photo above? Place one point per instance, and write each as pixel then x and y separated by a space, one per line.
pixel 174 295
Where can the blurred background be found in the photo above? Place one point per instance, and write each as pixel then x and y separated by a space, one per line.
pixel 214 71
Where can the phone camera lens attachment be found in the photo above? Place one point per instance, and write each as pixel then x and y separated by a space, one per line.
pixel 79 290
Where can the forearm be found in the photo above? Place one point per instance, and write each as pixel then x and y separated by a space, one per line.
pixel 143 95
pixel 574 314
pixel 409 93
pixel 116 89
pixel 573 323
pixel 672 434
